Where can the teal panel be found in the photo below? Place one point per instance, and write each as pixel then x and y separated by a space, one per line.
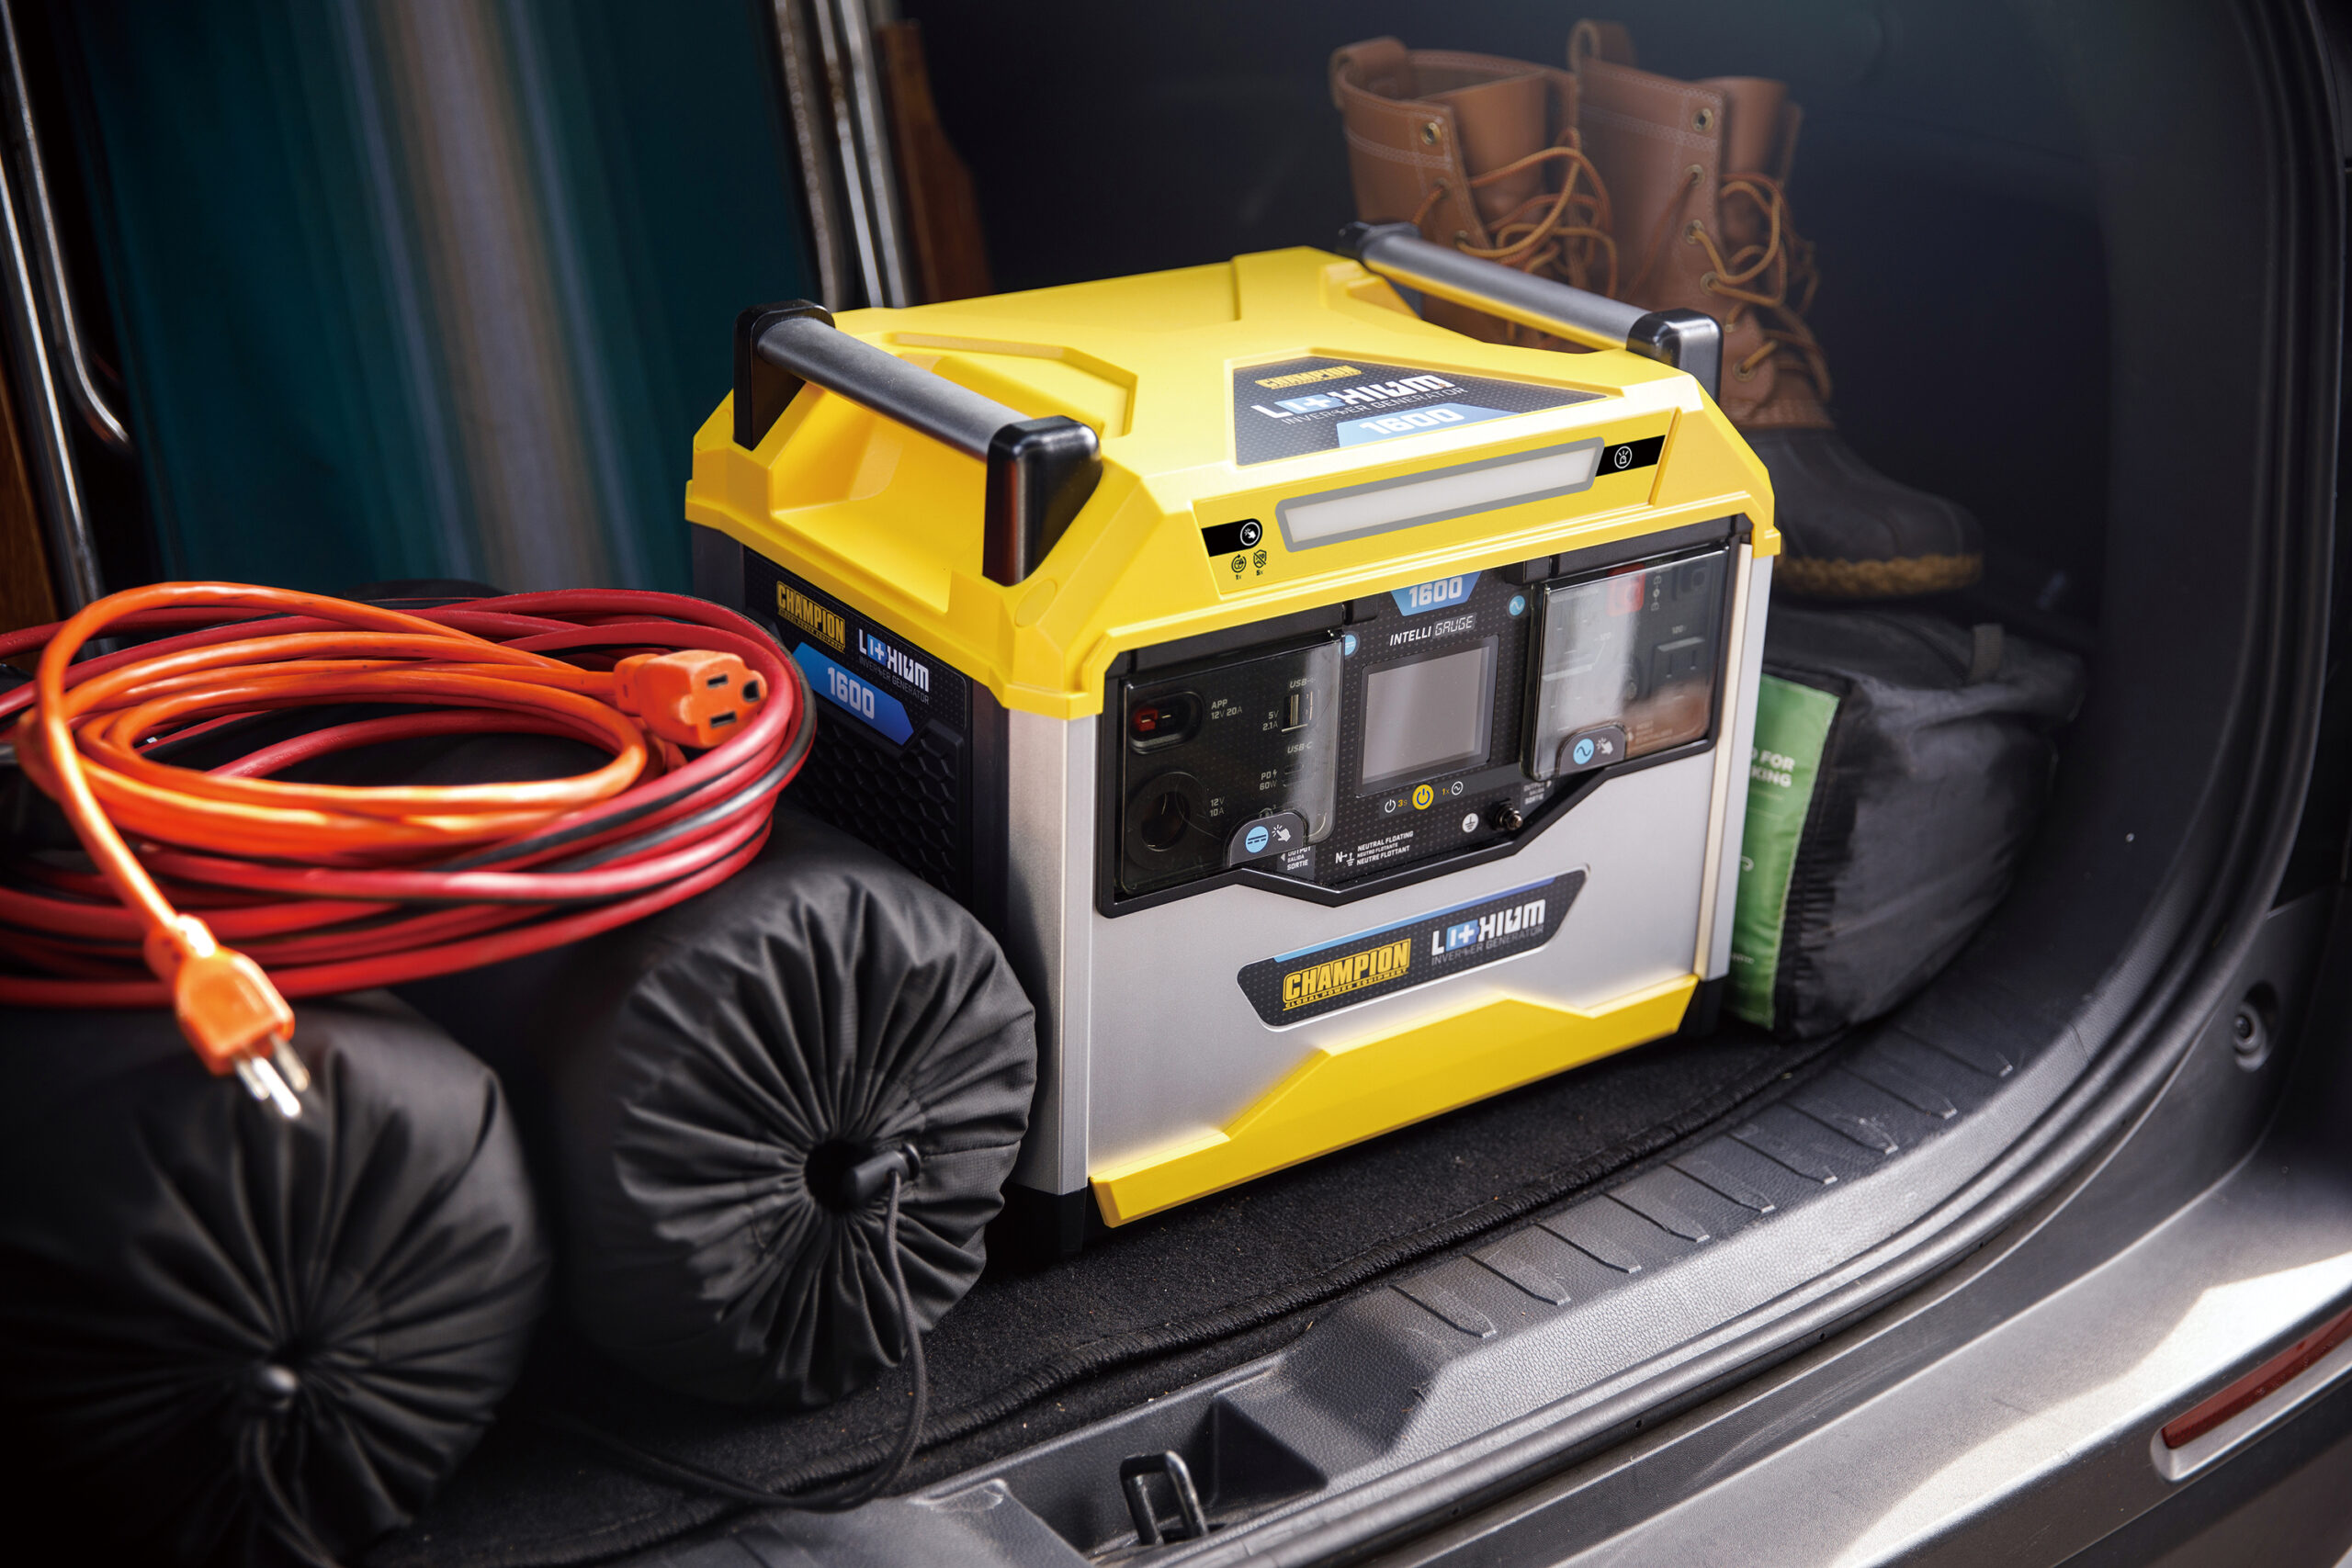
pixel 434 288
pixel 687 209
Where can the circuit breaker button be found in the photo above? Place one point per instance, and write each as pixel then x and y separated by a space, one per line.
pixel 1594 748
pixel 1279 834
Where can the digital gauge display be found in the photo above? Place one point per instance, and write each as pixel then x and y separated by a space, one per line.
pixel 1427 715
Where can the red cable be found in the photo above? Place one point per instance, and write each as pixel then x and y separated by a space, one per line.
pixel 337 888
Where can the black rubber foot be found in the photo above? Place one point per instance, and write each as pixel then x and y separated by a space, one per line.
pixel 1038 1229
pixel 1706 1009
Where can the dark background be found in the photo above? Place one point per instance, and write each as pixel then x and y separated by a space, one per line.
pixel 1963 301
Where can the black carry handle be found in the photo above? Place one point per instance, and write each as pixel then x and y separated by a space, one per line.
pixel 1688 340
pixel 1040 470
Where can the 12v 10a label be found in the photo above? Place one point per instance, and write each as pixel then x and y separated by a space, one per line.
pixel 1295 986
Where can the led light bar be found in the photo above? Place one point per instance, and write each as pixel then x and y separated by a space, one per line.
pixel 1436 495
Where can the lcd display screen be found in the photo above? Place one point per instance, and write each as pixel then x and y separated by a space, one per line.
pixel 1427 715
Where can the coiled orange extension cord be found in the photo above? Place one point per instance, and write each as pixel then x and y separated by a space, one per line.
pixel 338 887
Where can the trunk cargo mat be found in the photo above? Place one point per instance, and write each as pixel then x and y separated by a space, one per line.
pixel 1031 1353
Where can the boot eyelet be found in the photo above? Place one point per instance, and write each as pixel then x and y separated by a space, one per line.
pixel 1695 175
pixel 1462 236
pixel 1707 281
pixel 1703 121
pixel 1691 230
pixel 1432 132
pixel 1743 373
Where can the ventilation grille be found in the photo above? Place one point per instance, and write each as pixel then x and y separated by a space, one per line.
pixel 902 802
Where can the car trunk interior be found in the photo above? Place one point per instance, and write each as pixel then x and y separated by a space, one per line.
pixel 2060 250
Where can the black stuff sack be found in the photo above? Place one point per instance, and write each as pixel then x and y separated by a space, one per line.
pixel 227 1337
pixel 718 1068
pixel 1900 764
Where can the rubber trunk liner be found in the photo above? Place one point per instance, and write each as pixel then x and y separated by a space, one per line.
pixel 1032 1353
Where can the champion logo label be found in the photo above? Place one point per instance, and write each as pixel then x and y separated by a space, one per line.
pixel 1295 986
pixel 1300 378
pixel 808 614
pixel 1338 976
pixel 1413 388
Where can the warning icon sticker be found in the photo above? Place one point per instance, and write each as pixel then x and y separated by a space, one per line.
pixel 1313 405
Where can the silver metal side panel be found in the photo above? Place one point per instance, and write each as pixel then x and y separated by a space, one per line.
pixel 1733 758
pixel 1049 928
pixel 1173 1047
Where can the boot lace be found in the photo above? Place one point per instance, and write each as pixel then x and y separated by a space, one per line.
pixel 1561 234
pixel 1774 278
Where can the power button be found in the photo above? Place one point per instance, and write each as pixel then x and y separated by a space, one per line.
pixel 1227 539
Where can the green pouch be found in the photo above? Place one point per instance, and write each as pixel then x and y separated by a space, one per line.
pixel 1792 726
pixel 1900 765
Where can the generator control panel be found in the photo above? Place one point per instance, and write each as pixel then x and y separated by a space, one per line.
pixel 1420 727
pixel 1230 763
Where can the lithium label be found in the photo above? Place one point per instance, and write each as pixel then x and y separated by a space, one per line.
pixel 1295 986
pixel 1314 405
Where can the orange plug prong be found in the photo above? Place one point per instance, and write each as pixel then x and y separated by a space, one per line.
pixel 229 1013
pixel 696 696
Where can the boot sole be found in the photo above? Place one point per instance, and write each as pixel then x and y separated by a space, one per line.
pixel 1903 578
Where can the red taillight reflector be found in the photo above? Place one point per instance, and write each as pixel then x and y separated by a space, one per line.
pixel 2260 1383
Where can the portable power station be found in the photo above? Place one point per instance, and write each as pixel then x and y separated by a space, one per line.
pixel 1338 718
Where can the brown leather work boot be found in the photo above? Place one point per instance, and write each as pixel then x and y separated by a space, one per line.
pixel 1480 152
pixel 1696 172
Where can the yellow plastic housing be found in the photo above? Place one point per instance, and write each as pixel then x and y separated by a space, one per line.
pixel 889 521
pixel 1344 1094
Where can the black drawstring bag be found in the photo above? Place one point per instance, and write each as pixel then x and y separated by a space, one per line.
pixel 733 1080
pixel 229 1338
pixel 1899 768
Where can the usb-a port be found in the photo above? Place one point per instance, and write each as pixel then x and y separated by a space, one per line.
pixel 1299 710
